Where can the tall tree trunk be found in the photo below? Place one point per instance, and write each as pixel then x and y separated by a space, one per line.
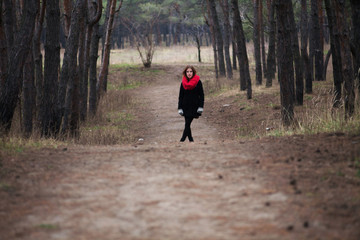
pixel 94 48
pixel 347 66
pixel 225 7
pixel 3 52
pixel 106 57
pixel 245 80
pixel 271 58
pixel 9 22
pixel 316 41
pixel 286 72
pixel 299 94
pixel 219 39
pixel 213 39
pixel 48 105
pixel 12 87
pixel 355 6
pixel 81 68
pixel 68 68
pixel 256 38
pixel 75 106
pixel 304 44
pixel 262 37
pixel 38 59
pixel 96 10
pixel 336 53
pixel 321 40
pixel 28 96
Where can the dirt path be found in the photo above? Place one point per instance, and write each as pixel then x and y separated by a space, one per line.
pixel 161 189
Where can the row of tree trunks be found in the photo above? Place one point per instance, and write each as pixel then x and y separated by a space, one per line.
pixel 69 69
pixel 19 51
pixel 95 14
pixel 227 28
pixel 106 55
pixel 245 79
pixel 219 38
pixel 336 54
pixel 209 22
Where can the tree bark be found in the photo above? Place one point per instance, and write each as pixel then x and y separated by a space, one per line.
pixel 227 29
pixel 94 48
pixel 38 59
pixel 234 53
pixel 256 39
pixel 336 52
pixel 213 39
pixel 327 58
pixel 317 55
pixel 286 72
pixel 262 37
pixel 28 96
pixel 51 70
pixel 9 22
pixel 68 69
pixel 304 44
pixel 299 93
pixel 245 79
pixel 95 13
pixel 67 16
pixel 219 39
pixel 271 58
pixel 3 52
pixel 106 57
pixel 347 66
pixel 320 66
pixel 355 6
pixel 12 87
pixel 81 68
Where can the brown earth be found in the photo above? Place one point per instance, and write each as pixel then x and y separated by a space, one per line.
pixel 219 187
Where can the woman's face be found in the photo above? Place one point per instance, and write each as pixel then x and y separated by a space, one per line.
pixel 189 73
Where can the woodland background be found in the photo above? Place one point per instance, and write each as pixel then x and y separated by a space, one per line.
pixel 55 54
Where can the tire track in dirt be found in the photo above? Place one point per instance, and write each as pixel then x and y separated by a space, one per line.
pixel 160 189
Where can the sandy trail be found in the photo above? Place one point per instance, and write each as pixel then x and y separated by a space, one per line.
pixel 161 189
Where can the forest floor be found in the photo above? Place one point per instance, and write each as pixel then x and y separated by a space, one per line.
pixel 219 187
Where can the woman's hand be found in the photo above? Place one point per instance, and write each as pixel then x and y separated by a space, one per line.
pixel 200 110
pixel 181 112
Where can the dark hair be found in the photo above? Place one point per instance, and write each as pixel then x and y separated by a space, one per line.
pixel 186 68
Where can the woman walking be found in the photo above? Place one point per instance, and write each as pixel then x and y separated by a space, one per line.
pixel 191 100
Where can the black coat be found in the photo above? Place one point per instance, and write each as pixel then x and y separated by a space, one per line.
pixel 191 100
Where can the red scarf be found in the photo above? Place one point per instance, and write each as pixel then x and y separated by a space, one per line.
pixel 190 84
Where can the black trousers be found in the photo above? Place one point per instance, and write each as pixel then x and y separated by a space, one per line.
pixel 187 130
